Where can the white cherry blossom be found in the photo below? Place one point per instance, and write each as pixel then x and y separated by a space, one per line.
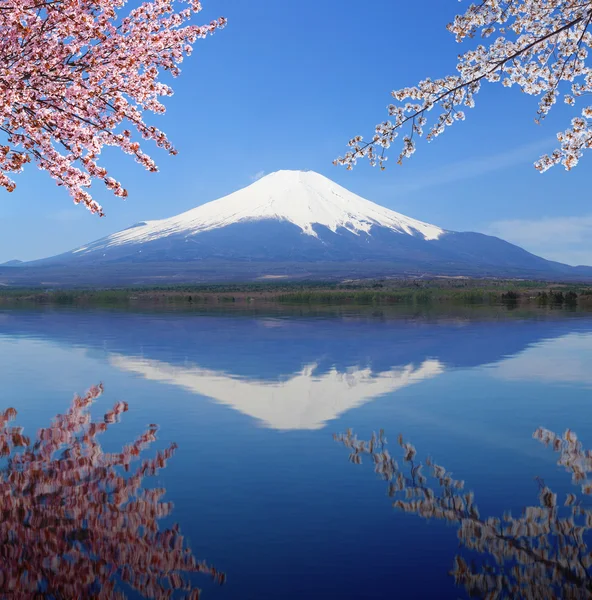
pixel 539 46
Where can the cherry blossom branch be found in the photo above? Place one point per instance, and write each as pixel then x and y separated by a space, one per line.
pixel 543 29
pixel 72 72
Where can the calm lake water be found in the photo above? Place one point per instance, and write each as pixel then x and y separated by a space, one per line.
pixel 211 438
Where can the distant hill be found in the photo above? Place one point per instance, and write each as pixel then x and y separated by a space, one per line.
pixel 294 224
pixel 12 263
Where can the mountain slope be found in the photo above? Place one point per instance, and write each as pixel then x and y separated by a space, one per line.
pixel 294 224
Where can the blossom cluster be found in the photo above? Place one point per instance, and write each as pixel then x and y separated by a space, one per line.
pixel 77 76
pixel 539 46
pixel 76 519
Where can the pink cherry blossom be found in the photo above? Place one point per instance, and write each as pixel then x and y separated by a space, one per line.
pixel 79 75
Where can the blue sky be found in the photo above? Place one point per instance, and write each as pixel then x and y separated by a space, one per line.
pixel 284 86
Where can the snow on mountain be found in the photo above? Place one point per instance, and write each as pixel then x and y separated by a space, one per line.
pixel 303 198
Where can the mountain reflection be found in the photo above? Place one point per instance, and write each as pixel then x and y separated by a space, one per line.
pixel 76 521
pixel 299 373
pixel 306 400
pixel 542 554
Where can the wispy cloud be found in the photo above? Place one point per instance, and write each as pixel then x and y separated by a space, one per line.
pixel 565 239
pixel 475 167
pixel 258 175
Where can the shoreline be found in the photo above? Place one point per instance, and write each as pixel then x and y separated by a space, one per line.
pixel 378 293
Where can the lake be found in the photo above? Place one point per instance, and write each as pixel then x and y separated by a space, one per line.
pixel 258 455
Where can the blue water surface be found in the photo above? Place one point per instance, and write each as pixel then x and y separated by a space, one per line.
pixel 259 487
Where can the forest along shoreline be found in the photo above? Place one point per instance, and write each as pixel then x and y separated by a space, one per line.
pixel 509 293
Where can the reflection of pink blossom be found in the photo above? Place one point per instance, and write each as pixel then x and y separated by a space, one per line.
pixel 73 522
pixel 539 46
pixel 541 554
pixel 75 74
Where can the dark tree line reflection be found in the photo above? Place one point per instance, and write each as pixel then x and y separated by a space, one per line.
pixel 540 555
pixel 76 521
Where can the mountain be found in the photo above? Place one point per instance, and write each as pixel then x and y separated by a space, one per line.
pixel 292 224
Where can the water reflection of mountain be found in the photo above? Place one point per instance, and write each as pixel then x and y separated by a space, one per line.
pixel 292 373
pixel 306 400
pixel 276 348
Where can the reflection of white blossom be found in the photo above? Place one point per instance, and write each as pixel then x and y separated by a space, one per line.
pixel 540 46
pixel 540 555
pixel 572 455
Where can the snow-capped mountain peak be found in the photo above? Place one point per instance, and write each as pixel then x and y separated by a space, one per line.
pixel 296 225
pixel 303 198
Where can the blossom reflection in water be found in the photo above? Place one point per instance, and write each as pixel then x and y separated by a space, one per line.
pixel 76 521
pixel 540 555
